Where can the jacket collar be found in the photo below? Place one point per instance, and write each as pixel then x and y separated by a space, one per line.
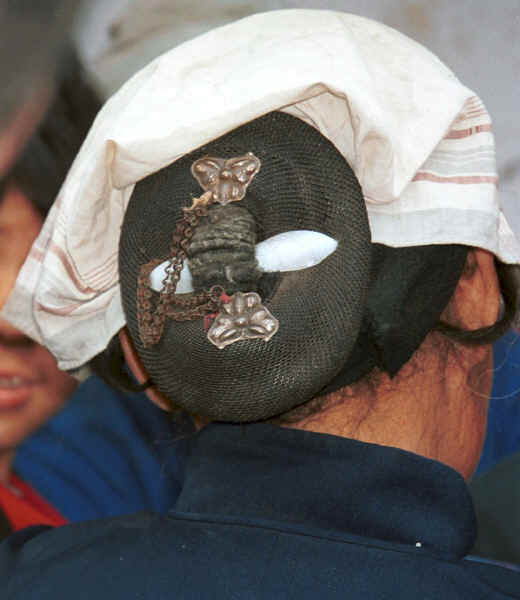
pixel 261 472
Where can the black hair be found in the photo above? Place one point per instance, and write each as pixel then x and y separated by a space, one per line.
pixel 41 169
pixel 488 335
pixel 111 367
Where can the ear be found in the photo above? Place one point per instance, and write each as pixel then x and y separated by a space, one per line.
pixel 476 300
pixel 138 370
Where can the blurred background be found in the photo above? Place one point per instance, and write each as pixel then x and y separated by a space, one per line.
pixel 478 40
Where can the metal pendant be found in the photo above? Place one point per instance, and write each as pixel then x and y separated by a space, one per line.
pixel 226 178
pixel 244 317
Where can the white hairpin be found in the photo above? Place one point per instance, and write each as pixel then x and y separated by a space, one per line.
pixel 288 251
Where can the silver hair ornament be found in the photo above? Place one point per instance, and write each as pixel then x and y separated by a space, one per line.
pixel 244 317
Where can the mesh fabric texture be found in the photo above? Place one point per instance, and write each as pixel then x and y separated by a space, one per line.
pixel 304 183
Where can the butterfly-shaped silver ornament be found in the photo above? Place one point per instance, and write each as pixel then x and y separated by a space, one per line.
pixel 226 178
pixel 244 317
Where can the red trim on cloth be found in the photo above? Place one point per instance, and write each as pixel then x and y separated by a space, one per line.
pixel 24 507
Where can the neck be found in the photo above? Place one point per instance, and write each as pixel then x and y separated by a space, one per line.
pixel 435 407
pixel 6 460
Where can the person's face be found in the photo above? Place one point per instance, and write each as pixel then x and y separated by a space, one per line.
pixel 32 387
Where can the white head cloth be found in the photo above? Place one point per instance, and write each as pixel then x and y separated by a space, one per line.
pixel 418 140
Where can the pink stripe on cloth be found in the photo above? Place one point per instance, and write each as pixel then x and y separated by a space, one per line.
pixel 474 101
pixel 64 259
pixel 99 270
pixel 63 311
pixel 455 134
pixel 463 179
pixel 472 114
pixel 104 275
pixel 36 254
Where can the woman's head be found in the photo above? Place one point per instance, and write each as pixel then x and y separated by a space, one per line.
pixel 162 115
pixel 32 387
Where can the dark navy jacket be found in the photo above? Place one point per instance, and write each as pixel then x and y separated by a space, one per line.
pixel 503 418
pixel 104 454
pixel 266 512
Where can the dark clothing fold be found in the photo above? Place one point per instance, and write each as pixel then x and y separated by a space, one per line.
pixel 268 512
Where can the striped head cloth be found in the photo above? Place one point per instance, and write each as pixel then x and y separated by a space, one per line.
pixel 419 142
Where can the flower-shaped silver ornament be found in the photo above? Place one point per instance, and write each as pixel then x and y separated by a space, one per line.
pixel 226 178
pixel 244 317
